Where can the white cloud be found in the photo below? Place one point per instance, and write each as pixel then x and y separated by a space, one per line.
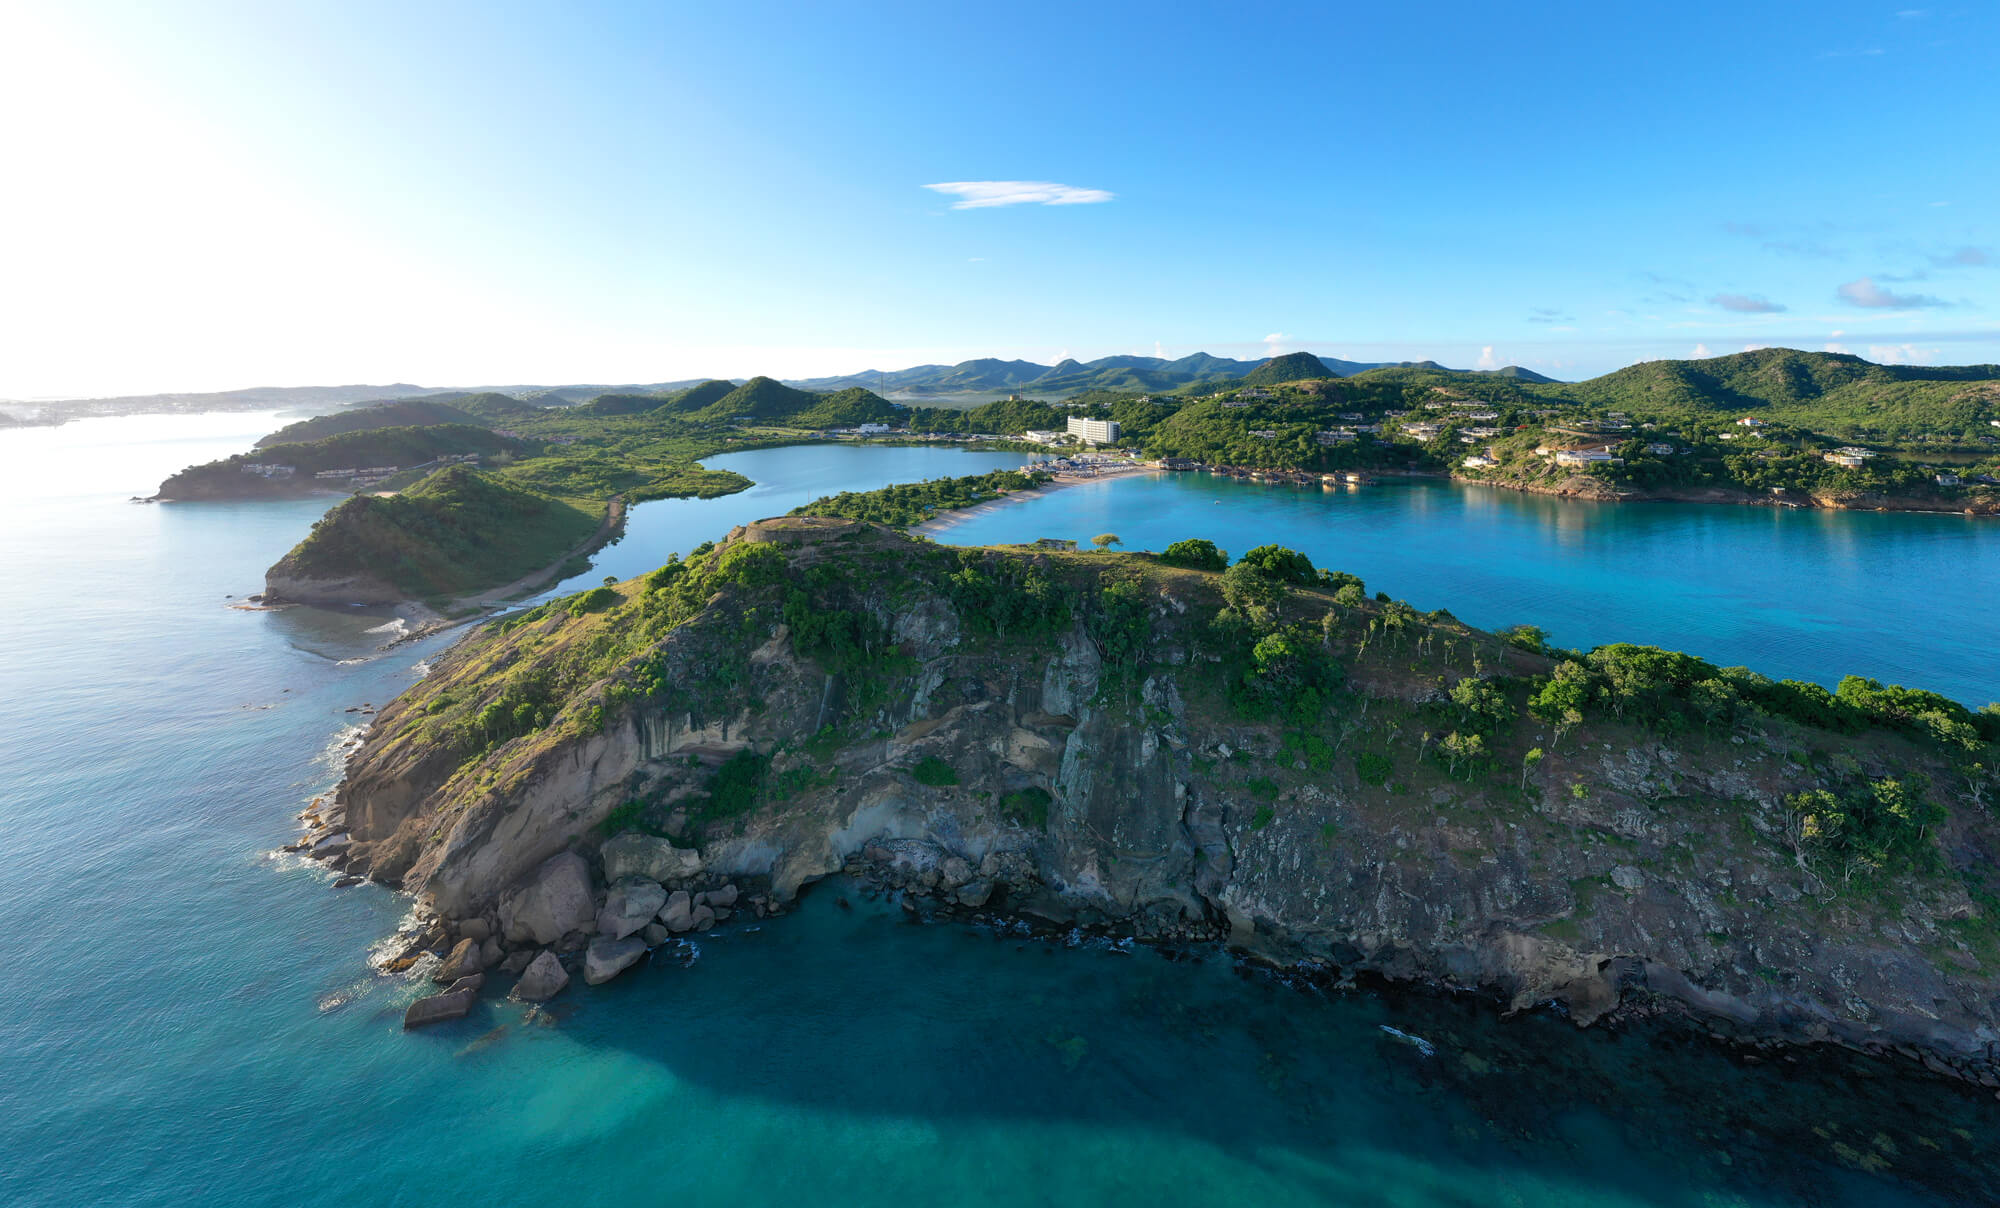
pixel 1159 350
pixel 1833 347
pixel 1747 304
pixel 1486 359
pixel 1868 294
pixel 981 194
pixel 1901 354
pixel 1701 352
pixel 1274 344
pixel 1755 347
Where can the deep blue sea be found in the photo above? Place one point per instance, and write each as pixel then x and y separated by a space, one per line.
pixel 186 1017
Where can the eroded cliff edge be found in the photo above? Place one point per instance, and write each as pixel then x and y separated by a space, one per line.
pixel 1300 770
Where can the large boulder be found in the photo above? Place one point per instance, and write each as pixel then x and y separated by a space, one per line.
pixel 555 900
pixel 726 896
pixel 678 913
pixel 632 854
pixel 703 918
pixel 439 1007
pixel 629 907
pixel 607 958
pixel 542 980
pixel 463 962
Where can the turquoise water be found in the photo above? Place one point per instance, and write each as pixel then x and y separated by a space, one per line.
pixel 188 1018
pixel 1804 594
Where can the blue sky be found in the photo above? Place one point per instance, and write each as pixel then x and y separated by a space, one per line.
pixel 210 195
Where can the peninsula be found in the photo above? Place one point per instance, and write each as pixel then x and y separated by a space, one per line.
pixel 1181 748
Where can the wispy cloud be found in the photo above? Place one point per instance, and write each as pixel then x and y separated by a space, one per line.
pixel 1746 304
pixel 1966 257
pixel 1274 344
pixel 1486 359
pixel 982 194
pixel 1785 241
pixel 1901 354
pixel 1868 294
pixel 1700 353
pixel 1548 314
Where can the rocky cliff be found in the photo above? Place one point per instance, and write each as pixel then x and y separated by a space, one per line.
pixel 1265 758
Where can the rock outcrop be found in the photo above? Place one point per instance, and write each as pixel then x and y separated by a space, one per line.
pixel 1091 740
pixel 543 979
pixel 553 902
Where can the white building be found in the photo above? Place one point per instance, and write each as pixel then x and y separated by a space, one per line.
pixel 1094 431
pixel 871 429
pixel 1584 457
pixel 1750 421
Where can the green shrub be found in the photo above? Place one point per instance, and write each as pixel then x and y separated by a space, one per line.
pixel 1263 787
pixel 1262 818
pixel 597 599
pixel 1373 768
pixel 1195 553
pixel 1028 807
pixel 935 772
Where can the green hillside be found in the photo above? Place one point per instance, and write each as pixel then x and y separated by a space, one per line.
pixel 366 449
pixel 1292 367
pixel 403 413
pixel 458 531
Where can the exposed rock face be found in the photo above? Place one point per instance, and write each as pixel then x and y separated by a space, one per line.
pixel 632 854
pixel 281 587
pixel 542 980
pixel 1624 871
pixel 631 905
pixel 607 958
pixel 556 900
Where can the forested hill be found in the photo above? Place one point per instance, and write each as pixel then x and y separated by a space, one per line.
pixel 1826 390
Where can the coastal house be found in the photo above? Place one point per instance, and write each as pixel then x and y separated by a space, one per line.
pixel 1178 463
pixel 1094 431
pixel 871 429
pixel 1850 457
pixel 1478 462
pixel 1659 449
pixel 1586 457
pixel 1264 433
pixel 1947 480
pixel 1750 421
pixel 269 470
pixel 1041 436
pixel 1424 430
pixel 1334 436
pixel 1254 393
pixel 1054 543
pixel 349 472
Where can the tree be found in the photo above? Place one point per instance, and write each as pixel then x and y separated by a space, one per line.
pixel 1251 594
pixel 1284 565
pixel 1529 763
pixel 1106 540
pixel 1195 553
pixel 1461 748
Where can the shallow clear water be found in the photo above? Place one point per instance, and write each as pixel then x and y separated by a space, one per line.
pixel 184 1018
pixel 1804 594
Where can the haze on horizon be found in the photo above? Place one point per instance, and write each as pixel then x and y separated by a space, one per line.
pixel 214 195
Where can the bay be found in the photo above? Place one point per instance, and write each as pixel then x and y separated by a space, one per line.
pixel 1792 593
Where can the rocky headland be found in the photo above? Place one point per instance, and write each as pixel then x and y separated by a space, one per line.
pixel 1267 759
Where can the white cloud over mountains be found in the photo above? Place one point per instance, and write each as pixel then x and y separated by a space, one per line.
pixel 1868 294
pixel 982 194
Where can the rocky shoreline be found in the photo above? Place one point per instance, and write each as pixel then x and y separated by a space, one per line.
pixel 1595 490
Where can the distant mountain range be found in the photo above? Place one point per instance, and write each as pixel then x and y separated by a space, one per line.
pixel 984 376
pixel 1122 374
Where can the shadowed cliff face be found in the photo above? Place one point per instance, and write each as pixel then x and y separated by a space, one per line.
pixel 1096 738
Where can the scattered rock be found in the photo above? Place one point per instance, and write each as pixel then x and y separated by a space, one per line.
pixel 471 982
pixel 607 958
pixel 721 913
pixel 517 961
pixel 704 917
pixel 463 962
pixel 655 935
pixel 954 871
pixel 345 882
pixel 975 893
pixel 726 896
pixel 1628 878
pixel 678 913
pixel 438 1008
pixel 632 854
pixel 542 980
pixel 555 901
pixel 630 906
pixel 475 930
pixel 489 952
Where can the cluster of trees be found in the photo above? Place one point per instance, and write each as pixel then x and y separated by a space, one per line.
pixel 912 503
